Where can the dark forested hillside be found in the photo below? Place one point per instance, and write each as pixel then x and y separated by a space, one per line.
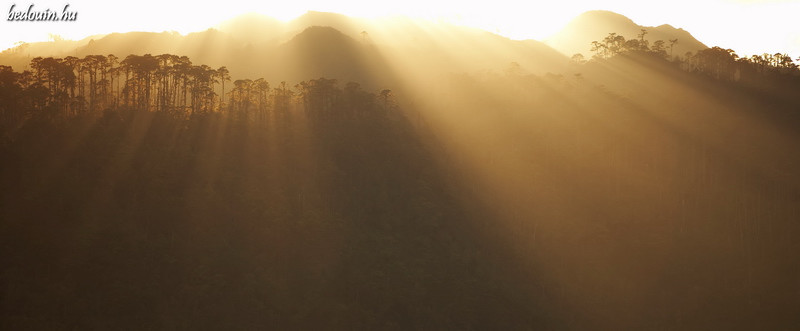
pixel 141 220
pixel 629 189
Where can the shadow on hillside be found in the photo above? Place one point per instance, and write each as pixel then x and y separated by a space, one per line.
pixel 140 220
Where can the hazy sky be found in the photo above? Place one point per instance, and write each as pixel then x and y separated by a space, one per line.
pixel 747 26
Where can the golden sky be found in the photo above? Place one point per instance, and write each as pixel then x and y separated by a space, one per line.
pixel 747 26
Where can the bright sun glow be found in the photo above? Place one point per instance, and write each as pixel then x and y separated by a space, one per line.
pixel 768 27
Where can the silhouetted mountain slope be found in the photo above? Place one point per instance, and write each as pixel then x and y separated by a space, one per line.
pixel 132 43
pixel 577 36
pixel 348 25
pixel 326 52
pixel 19 57
pixel 258 46
pixel 440 47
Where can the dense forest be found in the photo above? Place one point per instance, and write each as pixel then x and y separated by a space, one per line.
pixel 638 189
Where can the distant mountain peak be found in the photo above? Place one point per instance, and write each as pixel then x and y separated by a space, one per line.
pixel 668 27
pixel 605 15
pixel 578 34
pixel 320 33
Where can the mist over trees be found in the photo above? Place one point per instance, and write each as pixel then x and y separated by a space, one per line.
pixel 718 62
pixel 633 187
pixel 59 89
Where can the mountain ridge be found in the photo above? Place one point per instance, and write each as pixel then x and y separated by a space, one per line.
pixel 578 34
pixel 250 44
